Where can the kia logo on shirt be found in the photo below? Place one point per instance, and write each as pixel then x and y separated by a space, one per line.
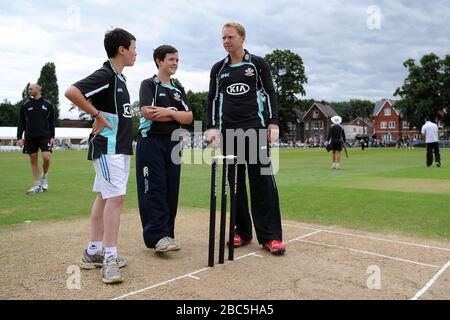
pixel 127 110
pixel 238 89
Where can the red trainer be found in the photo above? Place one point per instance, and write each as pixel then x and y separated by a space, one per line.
pixel 238 241
pixel 275 247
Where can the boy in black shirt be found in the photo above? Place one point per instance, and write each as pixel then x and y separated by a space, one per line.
pixel 110 148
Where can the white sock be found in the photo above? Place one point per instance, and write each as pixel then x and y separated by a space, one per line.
pixel 110 251
pixel 37 183
pixel 94 247
pixel 44 176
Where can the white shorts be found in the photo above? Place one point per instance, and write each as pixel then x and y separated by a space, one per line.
pixel 111 175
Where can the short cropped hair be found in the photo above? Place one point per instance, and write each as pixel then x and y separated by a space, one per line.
pixel 161 52
pixel 239 28
pixel 117 38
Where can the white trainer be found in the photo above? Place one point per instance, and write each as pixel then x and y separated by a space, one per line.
pixel 34 190
pixel 44 183
pixel 167 244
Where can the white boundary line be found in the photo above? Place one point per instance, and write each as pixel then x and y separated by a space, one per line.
pixel 369 237
pixel 191 274
pixel 300 239
pixel 431 282
pixel 305 236
pixel 370 253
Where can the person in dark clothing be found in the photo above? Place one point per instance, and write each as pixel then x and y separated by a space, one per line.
pixel 336 137
pixel 36 119
pixel 237 86
pixel 364 143
pixel 164 107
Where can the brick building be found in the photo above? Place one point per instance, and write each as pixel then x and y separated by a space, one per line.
pixel 389 125
pixel 317 122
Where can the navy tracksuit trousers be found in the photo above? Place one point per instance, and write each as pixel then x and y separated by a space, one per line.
pixel 265 207
pixel 158 181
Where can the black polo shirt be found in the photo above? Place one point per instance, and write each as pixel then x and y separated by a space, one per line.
pixel 336 133
pixel 155 93
pixel 36 119
pixel 235 99
pixel 107 91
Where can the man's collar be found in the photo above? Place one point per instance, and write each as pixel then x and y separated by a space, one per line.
pixel 247 57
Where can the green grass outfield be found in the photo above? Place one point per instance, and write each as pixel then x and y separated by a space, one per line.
pixel 387 190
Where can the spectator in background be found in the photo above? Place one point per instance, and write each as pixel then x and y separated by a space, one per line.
pixel 430 133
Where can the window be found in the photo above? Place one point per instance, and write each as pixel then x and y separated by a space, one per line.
pixel 315 115
pixel 387 138
pixel 316 125
pixel 321 125
pixel 354 130
pixel 405 125
pixel 306 125
pixel 387 112
pixel 391 124
pixel 383 125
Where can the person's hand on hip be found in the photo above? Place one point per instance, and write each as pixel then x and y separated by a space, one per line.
pixel 99 123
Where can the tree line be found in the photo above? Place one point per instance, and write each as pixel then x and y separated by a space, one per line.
pixel 425 91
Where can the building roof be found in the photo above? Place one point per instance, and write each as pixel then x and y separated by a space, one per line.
pixel 367 122
pixel 60 133
pixel 327 110
pixel 379 105
pixel 299 114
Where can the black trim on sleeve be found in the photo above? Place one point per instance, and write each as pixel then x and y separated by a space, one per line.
pixel 212 108
pixel 96 82
pixel 268 89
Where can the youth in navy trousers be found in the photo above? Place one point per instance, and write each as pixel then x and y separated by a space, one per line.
pixel 158 179
pixel 164 108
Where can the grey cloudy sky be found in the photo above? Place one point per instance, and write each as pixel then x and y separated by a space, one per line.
pixel 351 49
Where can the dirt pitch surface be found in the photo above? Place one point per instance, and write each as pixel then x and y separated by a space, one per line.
pixel 38 261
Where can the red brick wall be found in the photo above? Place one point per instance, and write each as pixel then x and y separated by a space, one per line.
pixel 395 133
